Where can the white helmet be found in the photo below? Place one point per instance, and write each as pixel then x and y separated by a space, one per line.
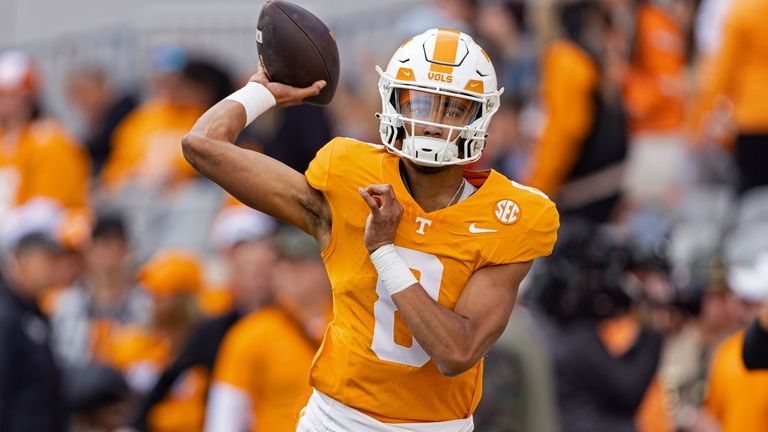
pixel 440 80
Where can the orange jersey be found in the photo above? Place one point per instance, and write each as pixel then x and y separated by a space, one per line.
pixel 660 55
pixel 369 360
pixel 737 398
pixel 43 161
pixel 267 355
pixel 147 145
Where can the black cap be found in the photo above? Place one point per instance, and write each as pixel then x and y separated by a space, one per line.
pixel 294 244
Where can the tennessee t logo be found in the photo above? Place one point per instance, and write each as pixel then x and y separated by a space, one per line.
pixel 422 222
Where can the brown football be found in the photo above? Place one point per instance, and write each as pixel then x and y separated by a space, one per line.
pixel 297 48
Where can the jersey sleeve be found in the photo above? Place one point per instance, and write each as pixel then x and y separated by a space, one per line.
pixel 319 171
pixel 537 241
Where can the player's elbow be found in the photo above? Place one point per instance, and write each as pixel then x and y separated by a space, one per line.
pixel 455 364
pixel 191 146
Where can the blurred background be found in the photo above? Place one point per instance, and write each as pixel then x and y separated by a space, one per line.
pixel 135 291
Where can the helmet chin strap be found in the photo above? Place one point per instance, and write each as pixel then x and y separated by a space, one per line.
pixel 429 151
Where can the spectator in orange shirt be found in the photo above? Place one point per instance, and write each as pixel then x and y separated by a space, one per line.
pixel 261 376
pixel 173 278
pixel 737 398
pixel 243 236
pixel 87 314
pixel 145 148
pixel 737 84
pixel 655 94
pixel 579 157
pixel 37 156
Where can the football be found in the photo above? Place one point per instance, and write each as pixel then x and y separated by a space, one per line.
pixel 297 48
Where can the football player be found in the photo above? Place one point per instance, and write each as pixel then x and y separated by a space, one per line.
pixel 424 257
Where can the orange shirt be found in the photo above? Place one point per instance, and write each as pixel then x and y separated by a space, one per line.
pixel 142 356
pixel 369 360
pixel 740 69
pixel 736 398
pixel 147 145
pixel 569 82
pixel 43 161
pixel 658 64
pixel 267 356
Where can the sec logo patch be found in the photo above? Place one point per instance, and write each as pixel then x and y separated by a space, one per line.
pixel 507 212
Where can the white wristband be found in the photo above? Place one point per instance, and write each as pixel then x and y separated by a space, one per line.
pixel 394 273
pixel 255 98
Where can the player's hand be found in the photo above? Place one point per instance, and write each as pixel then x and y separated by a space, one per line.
pixel 286 95
pixel 386 211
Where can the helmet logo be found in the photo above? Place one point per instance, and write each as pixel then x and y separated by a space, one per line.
pixel 437 76
pixel 507 212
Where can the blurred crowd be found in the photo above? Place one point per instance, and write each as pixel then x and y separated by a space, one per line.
pixel 135 295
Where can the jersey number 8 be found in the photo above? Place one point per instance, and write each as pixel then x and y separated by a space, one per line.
pixel 384 345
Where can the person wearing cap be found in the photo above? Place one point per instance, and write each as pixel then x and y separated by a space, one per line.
pixel 755 351
pixel 37 155
pixel 145 151
pixel 260 379
pixel 88 313
pixel 737 397
pixel 30 382
pixel 173 278
pixel 243 237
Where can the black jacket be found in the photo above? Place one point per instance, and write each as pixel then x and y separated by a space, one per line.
pixel 30 388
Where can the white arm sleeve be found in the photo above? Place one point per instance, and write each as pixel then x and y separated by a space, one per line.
pixel 229 409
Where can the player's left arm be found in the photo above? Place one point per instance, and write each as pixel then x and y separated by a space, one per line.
pixel 457 339
pixel 454 339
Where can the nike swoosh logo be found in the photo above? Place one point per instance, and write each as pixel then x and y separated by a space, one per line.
pixel 475 230
pixel 474 84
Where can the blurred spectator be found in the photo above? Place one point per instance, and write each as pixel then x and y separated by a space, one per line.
pixel 579 157
pixel 174 279
pixel 452 14
pixel 89 313
pixel 601 385
pixel 261 375
pixel 31 397
pixel 658 164
pixel 507 148
pixel 97 397
pixel 146 175
pixel 737 397
pixel 101 108
pixel 688 352
pixel 736 84
pixel 502 24
pixel 241 234
pixel 145 148
pixel 518 381
pixel 37 156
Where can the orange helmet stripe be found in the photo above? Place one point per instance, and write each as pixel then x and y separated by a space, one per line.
pixel 446 46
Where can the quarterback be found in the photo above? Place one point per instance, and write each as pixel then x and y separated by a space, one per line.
pixel 424 257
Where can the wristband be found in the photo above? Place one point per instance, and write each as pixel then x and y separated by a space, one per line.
pixel 255 98
pixel 394 273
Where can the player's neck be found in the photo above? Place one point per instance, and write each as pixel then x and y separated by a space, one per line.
pixel 433 190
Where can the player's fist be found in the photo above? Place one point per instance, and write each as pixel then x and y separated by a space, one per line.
pixel 286 95
pixel 382 222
